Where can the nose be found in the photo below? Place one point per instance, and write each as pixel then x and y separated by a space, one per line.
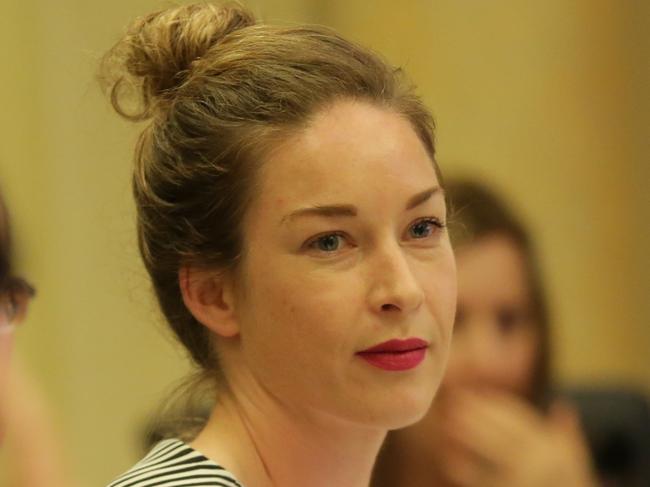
pixel 394 288
pixel 480 356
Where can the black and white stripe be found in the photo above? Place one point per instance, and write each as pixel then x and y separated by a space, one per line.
pixel 173 463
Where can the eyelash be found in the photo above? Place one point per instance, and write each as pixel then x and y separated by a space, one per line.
pixel 313 242
pixel 433 221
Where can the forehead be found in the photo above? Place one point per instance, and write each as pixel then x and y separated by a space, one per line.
pixel 491 269
pixel 348 150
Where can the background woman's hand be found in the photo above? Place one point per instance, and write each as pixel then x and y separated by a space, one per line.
pixel 494 439
pixel 33 449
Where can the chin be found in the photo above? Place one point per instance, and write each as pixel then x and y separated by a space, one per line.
pixel 400 409
pixel 415 414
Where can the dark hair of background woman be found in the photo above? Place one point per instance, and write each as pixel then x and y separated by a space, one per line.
pixel 11 286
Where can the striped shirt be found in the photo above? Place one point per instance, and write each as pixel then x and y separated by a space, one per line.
pixel 173 463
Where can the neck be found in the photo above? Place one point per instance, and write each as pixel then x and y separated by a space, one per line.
pixel 399 464
pixel 266 445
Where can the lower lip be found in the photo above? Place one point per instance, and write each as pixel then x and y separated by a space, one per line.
pixel 395 360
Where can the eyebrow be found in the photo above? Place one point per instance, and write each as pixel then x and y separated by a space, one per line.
pixel 351 211
pixel 422 196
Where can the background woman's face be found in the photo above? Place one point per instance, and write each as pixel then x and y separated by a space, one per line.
pixel 6 345
pixel 495 342
pixel 340 257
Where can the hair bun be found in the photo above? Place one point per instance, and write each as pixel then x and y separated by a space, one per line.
pixel 158 50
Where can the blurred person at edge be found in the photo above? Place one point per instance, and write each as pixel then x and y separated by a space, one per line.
pixel 28 441
pixel 493 423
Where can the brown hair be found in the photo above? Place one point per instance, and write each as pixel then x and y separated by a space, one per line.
pixel 479 213
pixel 14 288
pixel 217 89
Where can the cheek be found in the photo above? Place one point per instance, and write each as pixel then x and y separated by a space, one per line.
pixel 298 314
pixel 440 288
pixel 457 373
pixel 507 367
pixel 524 355
pixel 6 345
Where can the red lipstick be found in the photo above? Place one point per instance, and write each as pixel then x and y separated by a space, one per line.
pixel 396 354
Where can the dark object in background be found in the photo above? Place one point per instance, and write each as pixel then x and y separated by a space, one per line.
pixel 616 423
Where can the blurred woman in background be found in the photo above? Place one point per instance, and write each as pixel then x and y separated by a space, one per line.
pixel 15 294
pixel 29 444
pixel 492 423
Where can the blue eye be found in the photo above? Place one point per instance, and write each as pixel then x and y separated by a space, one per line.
pixel 327 243
pixel 425 228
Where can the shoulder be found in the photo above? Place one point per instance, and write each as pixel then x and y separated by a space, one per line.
pixel 174 463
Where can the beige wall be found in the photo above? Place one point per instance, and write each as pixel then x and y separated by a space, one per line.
pixel 547 100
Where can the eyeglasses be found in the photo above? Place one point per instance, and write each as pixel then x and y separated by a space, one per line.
pixel 15 294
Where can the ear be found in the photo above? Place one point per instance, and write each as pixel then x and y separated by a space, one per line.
pixel 210 298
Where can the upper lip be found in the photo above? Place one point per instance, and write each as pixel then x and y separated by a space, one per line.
pixel 397 345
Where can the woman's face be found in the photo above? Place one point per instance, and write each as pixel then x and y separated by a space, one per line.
pixel 496 341
pixel 6 342
pixel 344 251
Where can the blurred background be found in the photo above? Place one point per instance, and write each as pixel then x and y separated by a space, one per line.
pixel 546 101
